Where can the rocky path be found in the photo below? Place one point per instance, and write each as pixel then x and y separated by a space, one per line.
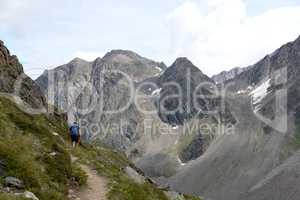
pixel 95 188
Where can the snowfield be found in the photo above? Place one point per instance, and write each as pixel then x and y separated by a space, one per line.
pixel 260 93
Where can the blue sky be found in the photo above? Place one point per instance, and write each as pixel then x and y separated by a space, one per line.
pixel 215 34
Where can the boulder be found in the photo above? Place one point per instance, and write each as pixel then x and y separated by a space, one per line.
pixel 14 182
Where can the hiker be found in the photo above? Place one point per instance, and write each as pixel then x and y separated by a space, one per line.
pixel 75 135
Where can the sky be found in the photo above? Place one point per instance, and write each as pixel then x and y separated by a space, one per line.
pixel 215 35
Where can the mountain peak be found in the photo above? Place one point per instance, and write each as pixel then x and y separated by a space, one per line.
pixel 117 52
pixel 121 51
pixel 182 61
pixel 77 60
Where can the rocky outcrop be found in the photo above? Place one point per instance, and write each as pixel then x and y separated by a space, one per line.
pixel 6 58
pixel 14 182
pixel 14 81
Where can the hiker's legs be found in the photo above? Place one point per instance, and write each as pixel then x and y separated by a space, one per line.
pixel 74 140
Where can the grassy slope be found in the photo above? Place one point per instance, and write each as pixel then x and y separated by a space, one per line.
pixel 25 145
pixel 26 142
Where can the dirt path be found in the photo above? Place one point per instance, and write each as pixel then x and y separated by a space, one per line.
pixel 96 185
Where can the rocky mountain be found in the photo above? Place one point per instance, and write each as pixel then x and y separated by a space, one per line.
pixel 260 160
pixel 193 89
pixel 228 75
pixel 187 77
pixel 88 91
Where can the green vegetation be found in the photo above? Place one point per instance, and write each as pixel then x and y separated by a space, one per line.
pixel 26 144
pixel 34 153
pixel 111 164
pixel 79 175
pixel 4 196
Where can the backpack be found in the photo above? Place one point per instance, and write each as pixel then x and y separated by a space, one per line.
pixel 74 130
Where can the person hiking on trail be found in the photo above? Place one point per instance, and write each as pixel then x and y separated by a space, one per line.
pixel 75 135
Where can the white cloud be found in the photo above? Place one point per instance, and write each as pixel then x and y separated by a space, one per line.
pixel 219 34
pixel 214 34
pixel 88 55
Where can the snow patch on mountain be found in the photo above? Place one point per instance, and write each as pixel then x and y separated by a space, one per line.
pixel 259 93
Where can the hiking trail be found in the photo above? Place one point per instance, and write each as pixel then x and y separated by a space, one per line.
pixel 96 187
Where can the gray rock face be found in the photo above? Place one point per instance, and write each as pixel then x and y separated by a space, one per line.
pixel 187 77
pixel 193 87
pixel 14 182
